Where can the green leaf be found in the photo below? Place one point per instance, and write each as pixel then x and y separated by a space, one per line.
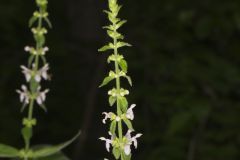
pixel 8 151
pixel 112 100
pixel 48 22
pixel 107 12
pixel 106 47
pixel 114 34
pixel 43 107
pixel 23 107
pixel 123 65
pixel 123 44
pixel 111 33
pixel 32 20
pixel 116 152
pixel 110 27
pixel 30 60
pixel 44 59
pixel 112 18
pixel 123 103
pixel 129 80
pixel 115 8
pixel 57 156
pixel 128 123
pixel 120 24
pixel 48 151
pixel 106 81
pixel 27 134
pixel 113 127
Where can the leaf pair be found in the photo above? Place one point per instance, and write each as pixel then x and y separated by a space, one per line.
pixel 123 103
pixel 112 46
pixel 109 79
pixel 7 151
pixel 34 19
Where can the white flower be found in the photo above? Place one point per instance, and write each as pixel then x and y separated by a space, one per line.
pixel 27 48
pixel 107 116
pixel 41 96
pixel 130 114
pixel 42 73
pixel 111 116
pixel 123 92
pixel 33 51
pixel 108 141
pixel 24 95
pixel 27 73
pixel 127 149
pixel 130 140
pixel 45 49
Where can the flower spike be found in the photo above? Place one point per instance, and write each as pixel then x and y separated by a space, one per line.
pixel 121 145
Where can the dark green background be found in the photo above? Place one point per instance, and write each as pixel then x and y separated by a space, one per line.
pixel 185 65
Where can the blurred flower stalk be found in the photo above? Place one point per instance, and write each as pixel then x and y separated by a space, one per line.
pixel 35 72
pixel 32 94
pixel 119 143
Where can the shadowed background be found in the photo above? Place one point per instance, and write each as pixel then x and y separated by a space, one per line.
pixel 185 65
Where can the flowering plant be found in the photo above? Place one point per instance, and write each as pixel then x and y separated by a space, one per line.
pixel 121 144
pixel 31 94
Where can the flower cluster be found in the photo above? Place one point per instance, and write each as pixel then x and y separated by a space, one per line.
pixel 124 144
pixel 37 75
pixel 26 96
pixel 121 144
pixel 34 73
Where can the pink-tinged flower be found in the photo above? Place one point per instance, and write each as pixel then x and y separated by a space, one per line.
pixel 130 140
pixel 41 96
pixel 29 73
pixel 24 95
pixel 130 114
pixel 108 141
pixel 43 72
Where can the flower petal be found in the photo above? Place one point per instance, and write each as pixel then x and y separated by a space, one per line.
pixel 127 149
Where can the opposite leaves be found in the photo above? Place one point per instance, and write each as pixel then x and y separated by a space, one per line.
pixel 50 150
pixel 8 151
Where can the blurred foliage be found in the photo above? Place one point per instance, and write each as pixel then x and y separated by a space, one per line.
pixel 188 76
pixel 185 64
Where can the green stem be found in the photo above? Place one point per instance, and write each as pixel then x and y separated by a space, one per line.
pixel 122 157
pixel 33 90
pixel 38 46
pixel 118 85
pixel 30 113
